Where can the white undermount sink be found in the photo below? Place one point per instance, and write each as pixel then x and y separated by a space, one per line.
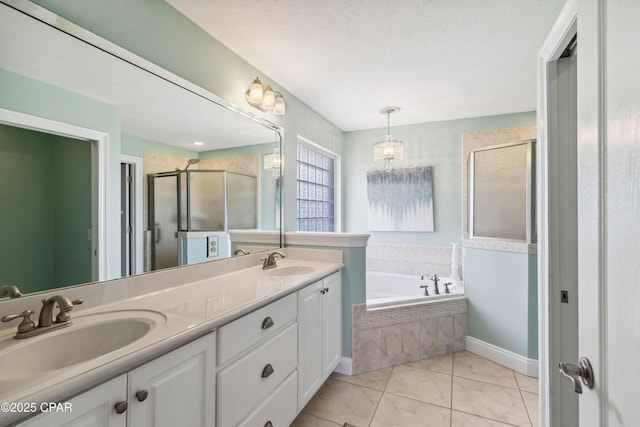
pixel 292 270
pixel 89 337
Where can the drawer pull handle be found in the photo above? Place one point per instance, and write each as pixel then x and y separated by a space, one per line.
pixel 267 323
pixel 121 407
pixel 267 371
pixel 268 424
pixel 142 395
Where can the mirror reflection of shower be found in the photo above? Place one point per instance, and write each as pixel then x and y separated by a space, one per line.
pixel 189 163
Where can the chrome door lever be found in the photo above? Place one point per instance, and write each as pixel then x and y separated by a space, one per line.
pixel 582 372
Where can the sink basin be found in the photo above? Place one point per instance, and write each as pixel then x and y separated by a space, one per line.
pixel 89 337
pixel 292 270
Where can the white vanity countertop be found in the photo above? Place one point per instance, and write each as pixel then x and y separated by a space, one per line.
pixel 190 311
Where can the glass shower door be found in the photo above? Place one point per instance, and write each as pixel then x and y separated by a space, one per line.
pixel 163 221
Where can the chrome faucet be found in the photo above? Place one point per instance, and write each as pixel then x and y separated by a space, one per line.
pixel 240 251
pixel 46 323
pixel 10 291
pixel 270 260
pixel 435 279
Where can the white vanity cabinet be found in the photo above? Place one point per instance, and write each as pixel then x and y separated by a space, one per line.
pixel 257 360
pixel 176 389
pixel 319 334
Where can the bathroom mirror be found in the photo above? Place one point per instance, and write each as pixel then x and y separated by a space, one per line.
pixel 83 123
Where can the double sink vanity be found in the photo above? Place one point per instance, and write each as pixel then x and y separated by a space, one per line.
pixel 226 343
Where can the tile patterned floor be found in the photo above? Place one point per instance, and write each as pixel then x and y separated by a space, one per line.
pixel 456 390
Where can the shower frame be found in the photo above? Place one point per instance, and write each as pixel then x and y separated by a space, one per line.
pixel 179 174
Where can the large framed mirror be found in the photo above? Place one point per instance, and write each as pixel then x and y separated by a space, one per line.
pixel 86 131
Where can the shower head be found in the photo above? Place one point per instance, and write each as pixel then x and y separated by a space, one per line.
pixel 191 162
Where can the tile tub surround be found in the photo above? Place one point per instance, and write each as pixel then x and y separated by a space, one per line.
pixel 411 259
pixel 437 392
pixel 393 336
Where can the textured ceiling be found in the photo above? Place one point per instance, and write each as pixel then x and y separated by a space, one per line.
pixel 436 59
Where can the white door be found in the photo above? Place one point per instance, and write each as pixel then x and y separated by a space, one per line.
pixel 609 209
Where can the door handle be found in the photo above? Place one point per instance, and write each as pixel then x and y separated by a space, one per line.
pixel 577 373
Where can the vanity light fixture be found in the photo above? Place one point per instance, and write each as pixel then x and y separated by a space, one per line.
pixel 272 162
pixel 389 149
pixel 265 98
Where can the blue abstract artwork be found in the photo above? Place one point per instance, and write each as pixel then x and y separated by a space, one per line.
pixel 400 199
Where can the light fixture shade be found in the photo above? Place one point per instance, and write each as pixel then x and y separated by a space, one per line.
pixel 389 149
pixel 256 93
pixel 272 162
pixel 279 109
pixel 269 99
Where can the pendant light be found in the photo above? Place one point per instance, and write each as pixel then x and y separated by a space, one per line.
pixel 389 149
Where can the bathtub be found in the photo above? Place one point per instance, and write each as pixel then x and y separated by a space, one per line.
pixel 393 289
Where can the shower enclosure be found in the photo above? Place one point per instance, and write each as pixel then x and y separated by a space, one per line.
pixel 191 206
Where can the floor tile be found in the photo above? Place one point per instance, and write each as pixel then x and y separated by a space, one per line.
pixel 396 411
pixel 420 384
pixel 442 364
pixel 531 403
pixel 376 380
pixel 526 383
pixel 472 366
pixel 306 420
pixel 490 401
pixel 341 402
pixel 460 419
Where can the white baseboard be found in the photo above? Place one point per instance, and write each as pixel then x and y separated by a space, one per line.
pixel 503 357
pixel 345 366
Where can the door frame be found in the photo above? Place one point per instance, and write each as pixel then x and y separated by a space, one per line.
pixel 559 37
pixel 99 149
pixel 138 208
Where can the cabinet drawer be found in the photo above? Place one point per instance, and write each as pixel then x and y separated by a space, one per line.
pixel 241 334
pixel 244 383
pixel 280 409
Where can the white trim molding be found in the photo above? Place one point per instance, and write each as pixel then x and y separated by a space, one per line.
pixel 503 357
pixel 560 35
pixel 345 367
pixel 339 240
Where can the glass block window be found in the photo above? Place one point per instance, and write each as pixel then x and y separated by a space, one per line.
pixel 315 189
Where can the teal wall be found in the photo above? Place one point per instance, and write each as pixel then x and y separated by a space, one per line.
pixel 45 185
pixel 135 146
pixel 32 97
pixel 501 288
pixel 437 144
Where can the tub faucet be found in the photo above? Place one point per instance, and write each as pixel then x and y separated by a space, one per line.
pixel 434 279
pixel 10 291
pixel 426 290
pixel 270 260
pixel 240 251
